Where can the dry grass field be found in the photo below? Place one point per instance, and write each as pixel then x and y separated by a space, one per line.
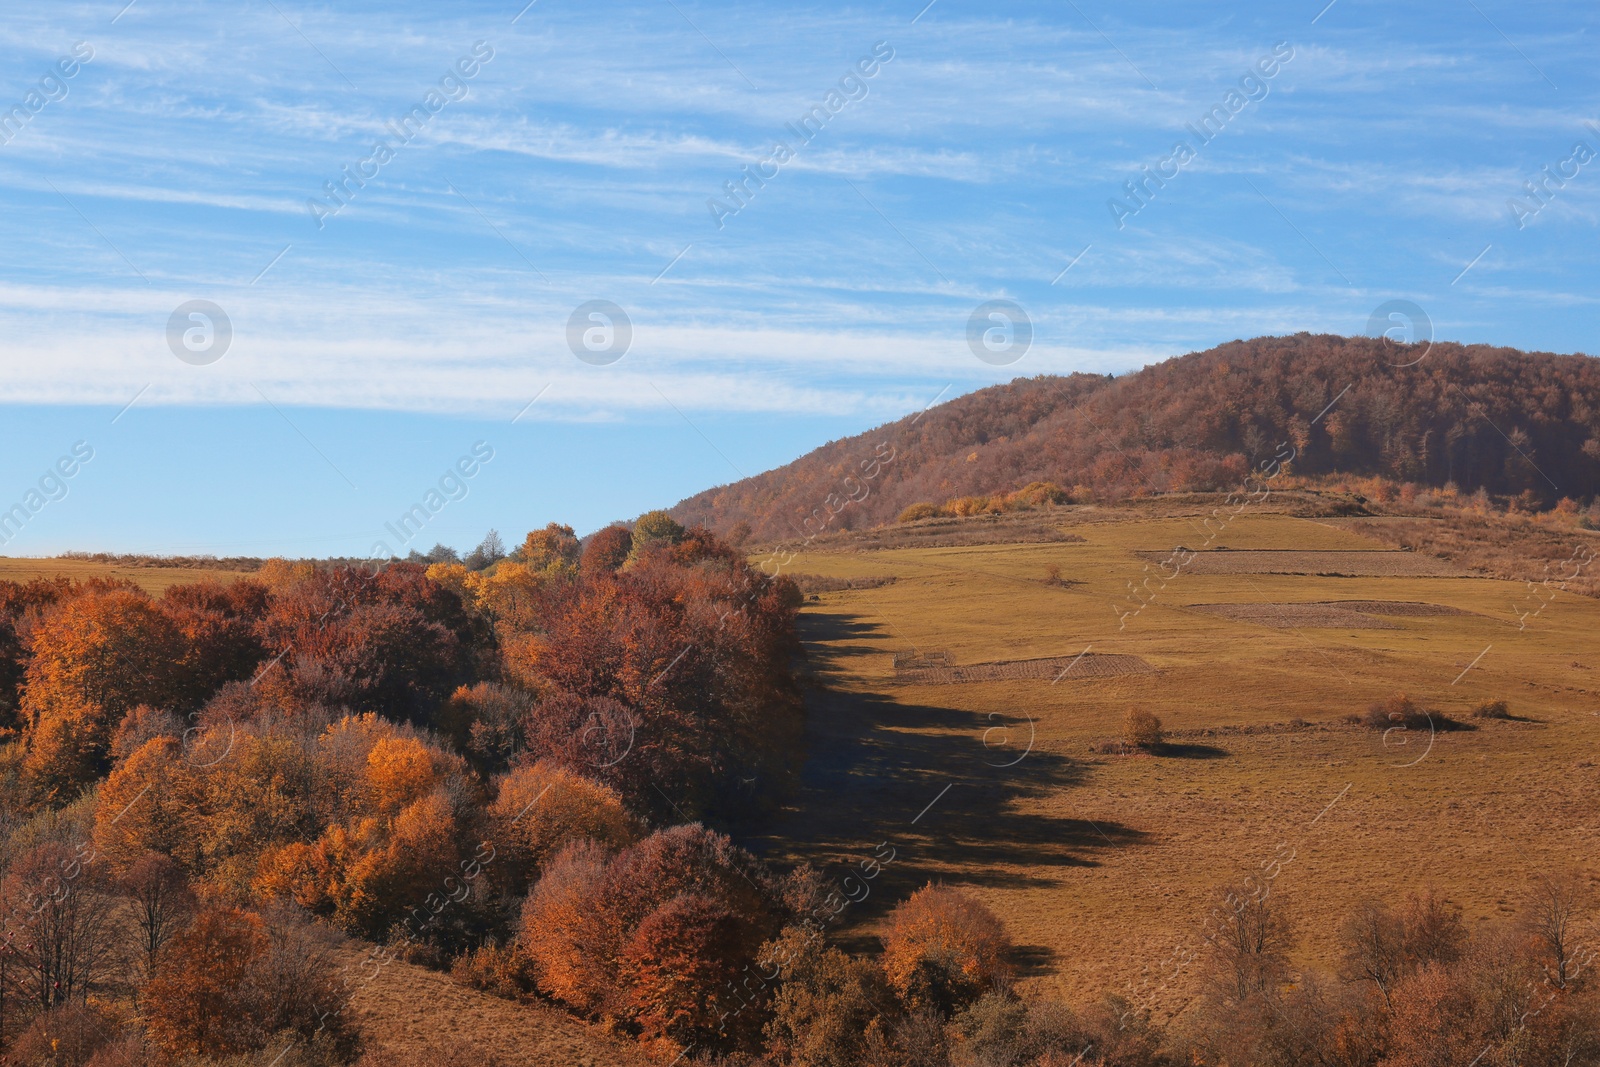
pixel 409 1009
pixel 1101 865
pixel 153 580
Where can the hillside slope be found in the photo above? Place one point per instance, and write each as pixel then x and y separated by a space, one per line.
pixel 1482 417
pixel 413 1011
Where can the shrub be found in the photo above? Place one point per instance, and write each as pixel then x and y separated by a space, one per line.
pixel 235 981
pixel 825 1001
pixel 1399 710
pixel 200 1001
pixel 68 1035
pixel 1492 709
pixel 917 512
pixel 942 949
pixel 499 970
pixel 561 932
pixel 1141 729
pixel 679 970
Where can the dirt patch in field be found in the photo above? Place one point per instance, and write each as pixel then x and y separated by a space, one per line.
pixel 1327 614
pixel 1295 616
pixel 927 670
pixel 1377 564
pixel 1395 607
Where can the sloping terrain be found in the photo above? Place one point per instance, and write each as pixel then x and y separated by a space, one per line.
pixel 414 1010
pixel 1103 863
pixel 1507 421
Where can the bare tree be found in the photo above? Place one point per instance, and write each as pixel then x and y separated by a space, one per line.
pixel 1382 947
pixel 162 902
pixel 1373 947
pixel 1551 919
pixel 1249 940
pixel 59 930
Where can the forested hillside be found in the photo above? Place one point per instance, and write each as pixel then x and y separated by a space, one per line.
pixel 1509 422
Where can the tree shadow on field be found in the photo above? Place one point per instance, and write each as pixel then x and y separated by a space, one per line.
pixel 941 787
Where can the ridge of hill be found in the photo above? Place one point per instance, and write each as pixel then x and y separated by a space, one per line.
pixel 1509 422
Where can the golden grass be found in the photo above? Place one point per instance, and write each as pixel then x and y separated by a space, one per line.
pixel 153 580
pixel 404 1008
pixel 1102 865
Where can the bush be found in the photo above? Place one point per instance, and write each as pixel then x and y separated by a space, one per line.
pixel 68 1035
pixel 234 982
pixel 1399 710
pixel 1141 729
pixel 679 970
pixel 917 512
pixel 1492 709
pixel 654 934
pixel 499 970
pixel 826 1001
pixel 942 949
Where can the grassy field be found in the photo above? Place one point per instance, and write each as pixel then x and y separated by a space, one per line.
pixel 153 580
pixel 1101 865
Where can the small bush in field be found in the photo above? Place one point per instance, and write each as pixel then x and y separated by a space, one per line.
pixel 1141 729
pixel 1398 710
pixel 1492 709
pixel 499 970
pixel 917 512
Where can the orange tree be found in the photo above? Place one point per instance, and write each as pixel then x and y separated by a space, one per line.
pixel 95 658
pixel 942 948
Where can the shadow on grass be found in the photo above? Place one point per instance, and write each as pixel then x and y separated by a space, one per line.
pixel 941 787
pixel 1183 750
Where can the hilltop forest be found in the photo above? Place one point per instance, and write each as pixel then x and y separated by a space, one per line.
pixel 1512 424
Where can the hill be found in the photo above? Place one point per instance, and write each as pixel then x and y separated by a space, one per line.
pixel 1512 423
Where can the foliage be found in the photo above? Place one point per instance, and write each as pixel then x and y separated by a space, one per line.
pixel 669 681
pixel 234 979
pixel 68 1035
pixel 606 551
pixel 942 949
pixel 653 934
pixel 539 809
pixel 94 658
pixel 1141 729
pixel 391 642
pixel 654 528
pixel 1492 709
pixel 1202 422
pixel 826 1003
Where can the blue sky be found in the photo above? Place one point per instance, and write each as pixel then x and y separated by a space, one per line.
pixel 371 347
